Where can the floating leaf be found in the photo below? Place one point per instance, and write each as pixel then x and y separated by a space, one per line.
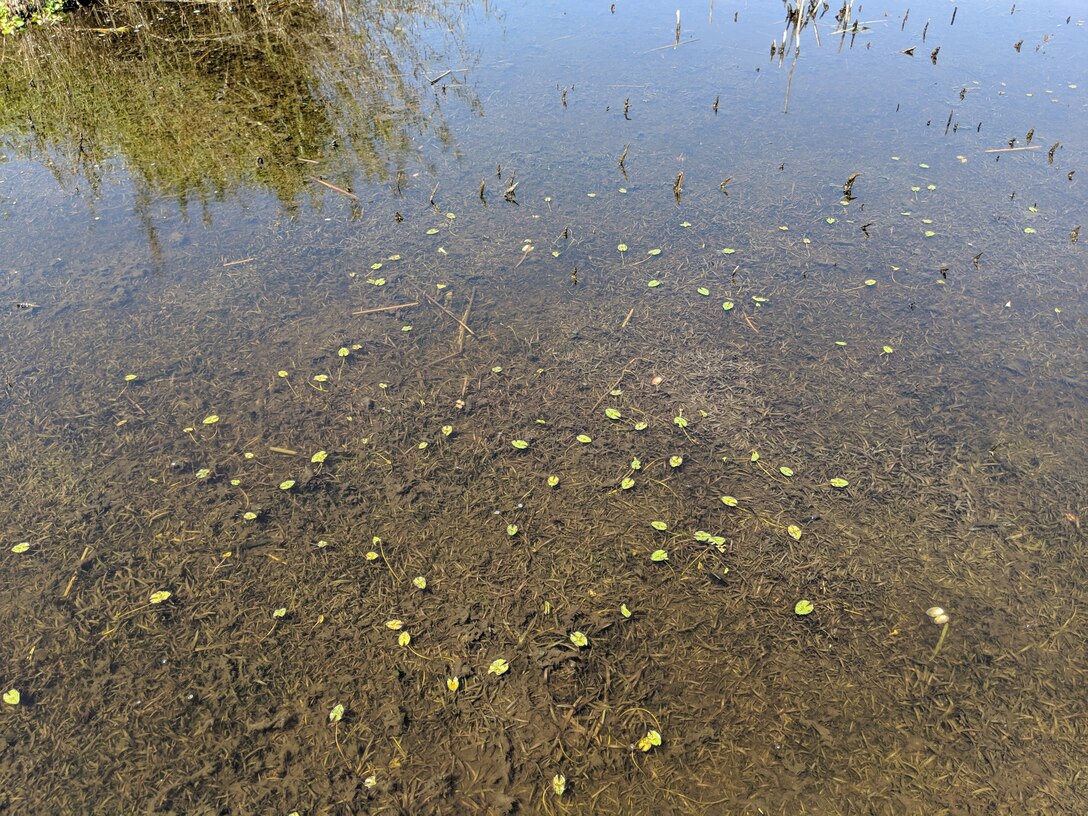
pixel 130 377
pixel 654 252
pixel 840 342
pixel 279 613
pixel 159 597
pixel 447 430
pixel 755 456
pixel 701 535
pixel 553 481
pixel 649 741
pixel 559 784
pixel 584 439
pixel 660 526
pixel 337 713
pixel 432 231
pixel 930 233
pixel 888 349
pixel 685 224
pixel 785 471
pixel 235 482
pixel 621 247
pixel 627 483
pixel 831 220
pixel 249 516
pixel 803 608
pixel 729 501
pixel 372 556
pixel 625 611
pixel 702 290
pixel 511 529
pixel 612 413
pixel 636 464
pixel 838 482
pixel 419 582
pixel 676 461
pixel 759 299
pixel 498 667
pixel 343 351
pixel 496 369
pixel 1029 230
pixel 394 624
pixel 404 638
pixel 203 473
pixel 931 186
pixel 728 306
pixel 376 281
pixel 287 484
pixel 579 639
pixel 21 547
pixel 728 251
pixel 870 282
pixel 12 697
pixel 321 378
pixel 211 420
pixel 794 531
pixel 679 422
pixel 640 426
pixel 319 457
pixel 423 445
pixel 654 284
pixel 659 555
pixel 520 444
pixel 453 683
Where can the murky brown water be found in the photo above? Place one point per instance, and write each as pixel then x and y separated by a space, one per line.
pixel 303 304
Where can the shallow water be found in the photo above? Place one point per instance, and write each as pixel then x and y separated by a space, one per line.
pixel 191 315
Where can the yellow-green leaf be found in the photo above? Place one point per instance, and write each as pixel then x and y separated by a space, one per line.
pixel 211 419
pixel 627 483
pixel 553 481
pixel 794 531
pixel 498 667
pixel 287 484
pixel 419 582
pixel 660 526
pixel 159 597
pixel 625 611
pixel 404 638
pixel 337 713
pixel 659 555
pixel 729 501
pixel 319 457
pixel 520 444
pixel 579 639
pixel 559 784
pixel 803 608
pixel 21 547
pixel 12 697
pixel 612 413
pixel 584 439
pixel 785 471
pixel 838 482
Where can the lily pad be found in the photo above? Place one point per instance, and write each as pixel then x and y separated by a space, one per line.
pixel 659 555
pixel 803 608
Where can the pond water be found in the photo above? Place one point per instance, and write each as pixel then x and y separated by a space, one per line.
pixel 451 407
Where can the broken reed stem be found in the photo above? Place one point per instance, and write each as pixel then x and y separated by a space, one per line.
pixel 387 308
pixel 464 323
pixel 451 314
pixel 340 190
pixel 1011 149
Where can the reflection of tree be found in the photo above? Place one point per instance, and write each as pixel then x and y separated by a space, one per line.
pixel 197 98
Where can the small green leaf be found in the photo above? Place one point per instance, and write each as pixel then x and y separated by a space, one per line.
pixel 498 667
pixel 319 457
pixel 159 597
pixel 640 426
pixel 676 461
pixel 211 420
pixel 12 697
pixel 659 555
pixel 621 247
pixel 1029 230
pixel 625 611
pixel 21 547
pixel 432 231
pixel 888 349
pixel 755 456
pixel 511 529
pixel 627 483
pixel 702 290
pixel 701 535
pixel 419 582
pixel 679 422
pixel 447 430
pixel 579 639
pixel 803 608
pixel 553 481
pixel 785 471
pixel 654 284
pixel 831 220
pixel 728 306
pixel 636 464
pixel 654 252
pixel 870 282
pixel 660 526
pixel 337 713
pixel 279 613
pixel 287 484
pixel 794 531
pixel 728 251
pixel 838 482
pixel 520 444
pixel 729 501
pixel 612 413
pixel 584 439
pixel 559 783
